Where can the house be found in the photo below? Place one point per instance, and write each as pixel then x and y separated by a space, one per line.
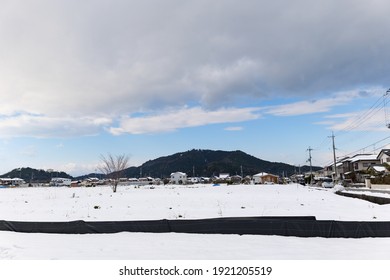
pixel 12 182
pixel 194 180
pixel 58 182
pixel 5 181
pixel 236 179
pixel 348 165
pixel 377 169
pixel 74 184
pixel 264 178
pixel 224 176
pixel 178 178
pixel 384 156
pixel 343 166
pixel 354 168
pixel 362 162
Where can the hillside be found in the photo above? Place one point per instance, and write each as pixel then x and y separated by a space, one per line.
pixel 29 174
pixel 208 163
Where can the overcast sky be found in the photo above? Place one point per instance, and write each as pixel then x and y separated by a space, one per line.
pixel 149 78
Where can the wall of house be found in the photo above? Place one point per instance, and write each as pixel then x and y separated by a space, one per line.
pixel 385 159
pixel 363 165
pixel 268 178
pixel 177 178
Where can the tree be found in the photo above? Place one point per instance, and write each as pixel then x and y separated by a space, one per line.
pixel 113 167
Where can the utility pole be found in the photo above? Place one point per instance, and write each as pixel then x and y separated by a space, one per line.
pixel 242 173
pixel 334 158
pixel 311 169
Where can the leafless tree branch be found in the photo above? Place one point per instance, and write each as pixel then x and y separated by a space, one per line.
pixel 113 167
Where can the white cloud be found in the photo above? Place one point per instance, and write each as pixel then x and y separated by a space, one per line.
pixel 42 126
pixel 29 151
pixel 360 121
pixel 60 146
pixel 319 105
pixel 65 60
pixel 234 128
pixel 76 169
pixel 220 84
pixel 186 117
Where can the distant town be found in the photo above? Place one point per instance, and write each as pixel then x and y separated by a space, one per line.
pixel 357 170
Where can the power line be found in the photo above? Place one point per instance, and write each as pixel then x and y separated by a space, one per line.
pixel 380 103
pixel 326 139
pixel 375 108
pixel 356 151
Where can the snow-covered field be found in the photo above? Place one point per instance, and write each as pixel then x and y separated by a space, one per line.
pixel 184 202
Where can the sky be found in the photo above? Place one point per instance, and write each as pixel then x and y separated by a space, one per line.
pixel 81 79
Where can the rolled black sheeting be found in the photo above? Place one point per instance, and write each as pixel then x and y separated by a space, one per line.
pixel 155 226
pixel 83 227
pixel 250 225
pixel 374 199
pixel 306 226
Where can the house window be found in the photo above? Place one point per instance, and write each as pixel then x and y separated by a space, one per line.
pixel 365 164
pixel 356 166
pixel 388 159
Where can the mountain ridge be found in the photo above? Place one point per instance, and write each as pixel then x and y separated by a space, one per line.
pixel 195 162
pixel 206 163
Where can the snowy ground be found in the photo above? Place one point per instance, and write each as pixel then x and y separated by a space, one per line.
pixel 185 202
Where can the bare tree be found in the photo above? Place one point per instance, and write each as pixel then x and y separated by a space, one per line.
pixel 113 167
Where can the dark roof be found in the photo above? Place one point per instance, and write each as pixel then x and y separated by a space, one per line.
pixel 385 151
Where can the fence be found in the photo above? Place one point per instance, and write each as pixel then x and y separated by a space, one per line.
pixel 306 226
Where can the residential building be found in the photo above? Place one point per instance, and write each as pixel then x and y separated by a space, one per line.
pixel 362 162
pixel 224 176
pixel 12 181
pixel 178 178
pixel 384 156
pixel 349 166
pixel 264 178
pixel 58 182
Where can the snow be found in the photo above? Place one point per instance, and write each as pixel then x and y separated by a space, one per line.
pixel 363 157
pixel 184 202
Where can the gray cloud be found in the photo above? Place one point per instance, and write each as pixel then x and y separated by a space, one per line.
pixel 64 59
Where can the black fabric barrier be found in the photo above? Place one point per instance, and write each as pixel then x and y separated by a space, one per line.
pixel 374 199
pixel 284 226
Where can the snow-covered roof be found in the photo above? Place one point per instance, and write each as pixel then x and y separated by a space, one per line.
pixel 5 179
pixel 379 168
pixel 260 174
pixel 363 157
pixel 224 175
pixel 178 173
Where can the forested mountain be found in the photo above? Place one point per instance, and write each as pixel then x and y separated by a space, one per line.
pixel 29 174
pixel 208 163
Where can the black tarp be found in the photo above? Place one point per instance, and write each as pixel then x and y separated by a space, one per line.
pixel 306 226
pixel 374 199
